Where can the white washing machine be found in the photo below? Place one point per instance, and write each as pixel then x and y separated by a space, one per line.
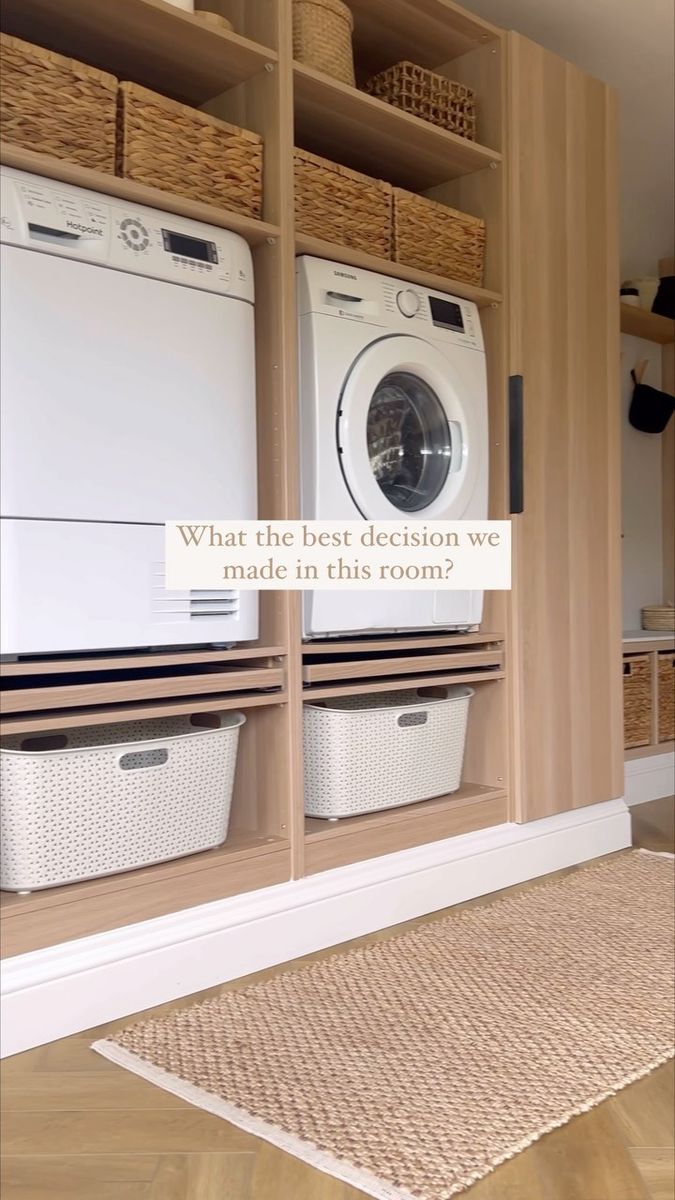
pixel 128 399
pixel 393 390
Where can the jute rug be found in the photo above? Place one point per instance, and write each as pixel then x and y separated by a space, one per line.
pixel 412 1067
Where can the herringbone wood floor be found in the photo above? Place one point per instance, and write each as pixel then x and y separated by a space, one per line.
pixel 77 1127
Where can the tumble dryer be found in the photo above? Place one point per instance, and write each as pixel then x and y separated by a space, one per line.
pixel 393 393
pixel 128 399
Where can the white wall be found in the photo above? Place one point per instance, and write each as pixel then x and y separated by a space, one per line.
pixel 630 44
pixel 642 544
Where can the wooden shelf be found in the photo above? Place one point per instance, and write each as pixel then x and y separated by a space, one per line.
pixel 148 41
pixel 383 266
pixel 335 843
pixel 254 231
pixel 246 861
pixel 649 751
pixel 417 642
pixel 394 683
pixel 639 322
pixel 366 668
pixel 359 131
pixel 103 714
pixel 128 660
pixel 428 32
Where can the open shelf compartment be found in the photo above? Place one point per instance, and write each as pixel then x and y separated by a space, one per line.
pixel 148 41
pixel 256 853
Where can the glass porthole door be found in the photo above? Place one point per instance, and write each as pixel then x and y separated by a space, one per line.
pixel 402 437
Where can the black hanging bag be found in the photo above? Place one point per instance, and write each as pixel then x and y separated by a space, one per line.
pixel 650 410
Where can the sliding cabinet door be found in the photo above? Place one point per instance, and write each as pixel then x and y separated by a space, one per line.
pixel 564 344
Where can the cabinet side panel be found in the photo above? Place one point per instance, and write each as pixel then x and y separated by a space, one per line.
pixel 564 341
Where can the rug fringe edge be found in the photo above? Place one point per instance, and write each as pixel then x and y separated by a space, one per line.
pixel 306 1152
pixel 656 853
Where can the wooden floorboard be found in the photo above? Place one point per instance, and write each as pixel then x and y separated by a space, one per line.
pixel 76 1126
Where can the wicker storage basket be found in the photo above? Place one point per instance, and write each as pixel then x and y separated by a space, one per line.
pixel 367 753
pixel 92 801
pixel 433 237
pixel 342 206
pixel 322 37
pixel 637 700
pixel 427 95
pixel 56 105
pixel 666 696
pixel 167 145
pixel 659 617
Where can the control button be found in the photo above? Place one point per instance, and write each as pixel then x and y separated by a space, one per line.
pixel 134 233
pixel 408 303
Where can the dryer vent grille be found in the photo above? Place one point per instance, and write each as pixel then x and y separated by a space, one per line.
pixel 173 606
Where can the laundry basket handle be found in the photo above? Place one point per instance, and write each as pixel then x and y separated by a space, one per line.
pixel 409 720
pixel 149 756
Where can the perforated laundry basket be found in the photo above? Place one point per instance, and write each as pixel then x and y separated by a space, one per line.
pixel 367 753
pixel 86 802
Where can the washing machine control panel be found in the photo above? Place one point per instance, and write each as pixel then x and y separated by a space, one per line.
pixel 57 218
pixel 394 305
pixel 408 302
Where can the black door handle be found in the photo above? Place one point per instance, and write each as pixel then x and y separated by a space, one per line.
pixel 516 446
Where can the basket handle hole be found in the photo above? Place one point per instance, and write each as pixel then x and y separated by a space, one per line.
pixel 136 760
pixel 48 741
pixel 407 720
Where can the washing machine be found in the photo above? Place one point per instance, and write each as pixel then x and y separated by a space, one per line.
pixel 128 399
pixel 393 394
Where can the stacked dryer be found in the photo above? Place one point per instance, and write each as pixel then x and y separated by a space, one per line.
pixel 128 399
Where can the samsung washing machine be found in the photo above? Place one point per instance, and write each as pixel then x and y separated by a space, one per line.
pixel 393 394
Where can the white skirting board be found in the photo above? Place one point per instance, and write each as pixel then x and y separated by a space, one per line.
pixel 76 985
pixel 649 778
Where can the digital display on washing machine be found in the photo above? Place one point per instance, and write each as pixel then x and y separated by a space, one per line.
pixel 189 247
pixel 446 314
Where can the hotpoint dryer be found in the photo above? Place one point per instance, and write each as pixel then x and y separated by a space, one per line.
pixel 128 399
pixel 393 393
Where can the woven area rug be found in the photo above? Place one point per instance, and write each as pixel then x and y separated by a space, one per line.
pixel 412 1067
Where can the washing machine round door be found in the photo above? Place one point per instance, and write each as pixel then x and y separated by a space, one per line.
pixel 405 433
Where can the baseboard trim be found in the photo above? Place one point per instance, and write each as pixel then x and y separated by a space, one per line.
pixel 649 778
pixel 49 994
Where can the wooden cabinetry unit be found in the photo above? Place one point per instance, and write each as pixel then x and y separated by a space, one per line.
pixel 564 341
pixel 545 722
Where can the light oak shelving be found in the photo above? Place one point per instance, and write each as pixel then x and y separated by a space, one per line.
pixel 639 322
pixel 249 77
pixel 346 125
pixel 148 41
pixel 255 232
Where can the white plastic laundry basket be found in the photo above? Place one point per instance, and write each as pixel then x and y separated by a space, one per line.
pixel 367 753
pixel 85 802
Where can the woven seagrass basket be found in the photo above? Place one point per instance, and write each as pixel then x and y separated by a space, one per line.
pixel 666 696
pixel 322 37
pixel 637 700
pixel 659 617
pixel 426 95
pixel 433 237
pixel 168 145
pixel 339 205
pixel 56 105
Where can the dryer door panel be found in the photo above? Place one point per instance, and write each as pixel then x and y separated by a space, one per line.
pixel 124 398
pixel 412 430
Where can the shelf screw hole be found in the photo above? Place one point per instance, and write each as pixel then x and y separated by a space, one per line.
pixel 271 241
pixel 269 67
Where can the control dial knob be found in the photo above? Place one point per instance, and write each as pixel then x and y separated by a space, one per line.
pixel 408 302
